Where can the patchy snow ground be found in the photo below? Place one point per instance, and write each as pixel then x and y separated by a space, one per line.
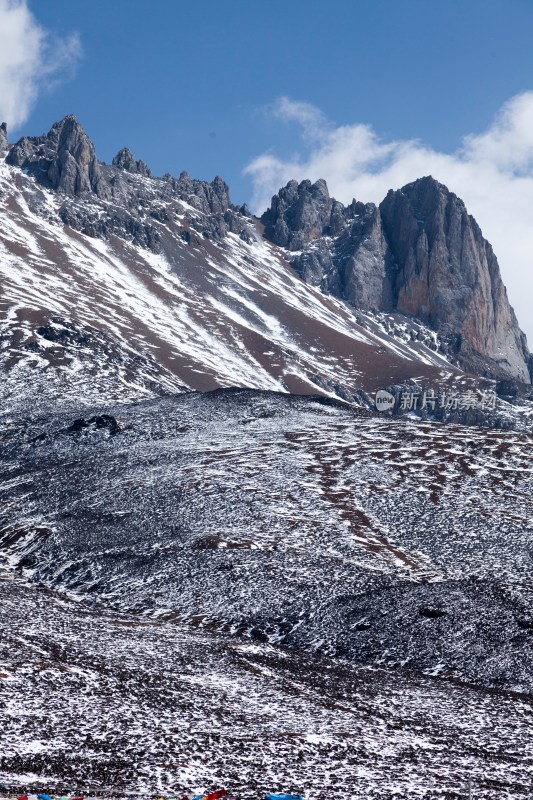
pixel 388 541
pixel 101 702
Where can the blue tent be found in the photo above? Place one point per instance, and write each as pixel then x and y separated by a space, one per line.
pixel 283 797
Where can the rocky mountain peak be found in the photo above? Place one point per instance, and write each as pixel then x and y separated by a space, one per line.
pixel 446 274
pixel 64 159
pixel 220 199
pixel 125 160
pixel 4 144
pixel 299 213
pixel 420 254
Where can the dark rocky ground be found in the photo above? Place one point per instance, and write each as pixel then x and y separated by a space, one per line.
pixel 111 704
pixel 392 542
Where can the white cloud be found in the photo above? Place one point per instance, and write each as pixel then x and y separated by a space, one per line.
pixel 31 59
pixel 310 117
pixel 492 172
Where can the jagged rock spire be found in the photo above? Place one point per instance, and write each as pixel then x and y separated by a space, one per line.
pixel 4 144
pixel 126 161
pixel 65 159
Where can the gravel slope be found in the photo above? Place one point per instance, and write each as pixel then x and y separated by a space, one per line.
pixel 120 705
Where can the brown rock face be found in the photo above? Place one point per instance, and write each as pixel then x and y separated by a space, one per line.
pixel 447 275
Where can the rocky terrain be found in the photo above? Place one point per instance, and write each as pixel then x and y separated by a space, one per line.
pixel 116 321
pixel 104 703
pixel 288 519
pixel 129 285
pixel 221 564
pixel 419 253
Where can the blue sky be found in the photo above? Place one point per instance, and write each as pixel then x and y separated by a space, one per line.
pixel 184 84
pixel 368 95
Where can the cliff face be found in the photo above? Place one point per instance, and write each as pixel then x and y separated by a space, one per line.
pixel 4 144
pixel 300 213
pixel 448 276
pixel 342 250
pixel 419 254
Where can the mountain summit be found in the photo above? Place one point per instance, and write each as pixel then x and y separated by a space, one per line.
pixel 163 284
pixel 419 254
pixel 64 159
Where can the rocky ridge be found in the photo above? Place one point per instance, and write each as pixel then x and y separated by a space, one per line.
pixel 418 258
pixel 418 253
pixel 169 287
pixel 108 198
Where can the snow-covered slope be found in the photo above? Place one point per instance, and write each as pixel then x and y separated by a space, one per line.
pixel 103 320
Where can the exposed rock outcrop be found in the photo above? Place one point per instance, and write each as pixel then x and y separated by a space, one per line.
pixel 420 254
pixel 125 160
pixel 342 250
pixel 64 159
pixel 4 144
pixel 211 198
pixel 448 276
pixel 299 214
